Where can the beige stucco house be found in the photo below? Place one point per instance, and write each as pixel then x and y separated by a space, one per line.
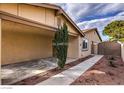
pixel 27 31
pixel 92 39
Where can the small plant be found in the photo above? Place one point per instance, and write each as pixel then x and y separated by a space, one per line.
pixel 111 58
pixel 111 63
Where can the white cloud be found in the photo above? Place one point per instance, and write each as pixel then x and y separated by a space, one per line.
pixel 121 14
pixel 109 8
pixel 77 11
pixel 100 23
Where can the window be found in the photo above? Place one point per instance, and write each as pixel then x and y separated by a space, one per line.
pixel 85 44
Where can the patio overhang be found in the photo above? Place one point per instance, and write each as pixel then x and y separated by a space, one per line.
pixel 25 21
pixel 11 26
pixel 15 20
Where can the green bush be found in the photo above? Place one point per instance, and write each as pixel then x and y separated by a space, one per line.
pixel 60 44
pixel 111 58
pixel 112 63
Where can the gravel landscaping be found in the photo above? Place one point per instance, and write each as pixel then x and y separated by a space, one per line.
pixel 103 73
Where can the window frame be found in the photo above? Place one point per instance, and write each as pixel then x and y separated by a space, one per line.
pixel 85 49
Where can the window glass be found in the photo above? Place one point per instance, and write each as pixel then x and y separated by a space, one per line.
pixel 85 44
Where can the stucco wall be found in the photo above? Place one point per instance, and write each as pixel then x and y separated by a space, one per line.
pixel 18 47
pixel 21 42
pixel 122 51
pixel 91 36
pixel 80 47
pixel 32 12
pixel 10 8
pixel 0 51
pixel 73 47
pixel 85 53
pixel 39 14
pixel 71 29
pixel 22 46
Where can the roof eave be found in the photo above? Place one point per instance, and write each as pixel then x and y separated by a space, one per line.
pixel 93 29
pixel 59 9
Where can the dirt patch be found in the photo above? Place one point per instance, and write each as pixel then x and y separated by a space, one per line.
pixel 45 75
pixel 103 74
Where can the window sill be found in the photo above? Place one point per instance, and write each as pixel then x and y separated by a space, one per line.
pixel 84 49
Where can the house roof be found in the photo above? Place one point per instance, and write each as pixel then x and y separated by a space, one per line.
pixel 56 7
pixel 93 29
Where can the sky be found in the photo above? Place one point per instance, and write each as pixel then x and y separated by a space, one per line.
pixel 94 15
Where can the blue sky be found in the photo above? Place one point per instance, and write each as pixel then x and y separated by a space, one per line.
pixel 91 15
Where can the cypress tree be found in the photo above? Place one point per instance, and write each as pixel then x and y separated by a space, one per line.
pixel 60 43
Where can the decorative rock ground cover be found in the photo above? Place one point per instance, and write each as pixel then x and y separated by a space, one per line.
pixel 103 74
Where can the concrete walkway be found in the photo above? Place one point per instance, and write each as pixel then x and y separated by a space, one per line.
pixel 68 76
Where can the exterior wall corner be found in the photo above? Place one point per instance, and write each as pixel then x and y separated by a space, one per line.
pixel 0 50
pixel 122 51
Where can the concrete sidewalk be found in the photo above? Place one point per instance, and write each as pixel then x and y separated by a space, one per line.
pixel 68 76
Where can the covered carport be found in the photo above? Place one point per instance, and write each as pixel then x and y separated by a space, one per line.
pixel 21 42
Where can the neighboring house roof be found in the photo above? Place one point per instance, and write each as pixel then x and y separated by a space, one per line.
pixel 93 29
pixel 56 7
